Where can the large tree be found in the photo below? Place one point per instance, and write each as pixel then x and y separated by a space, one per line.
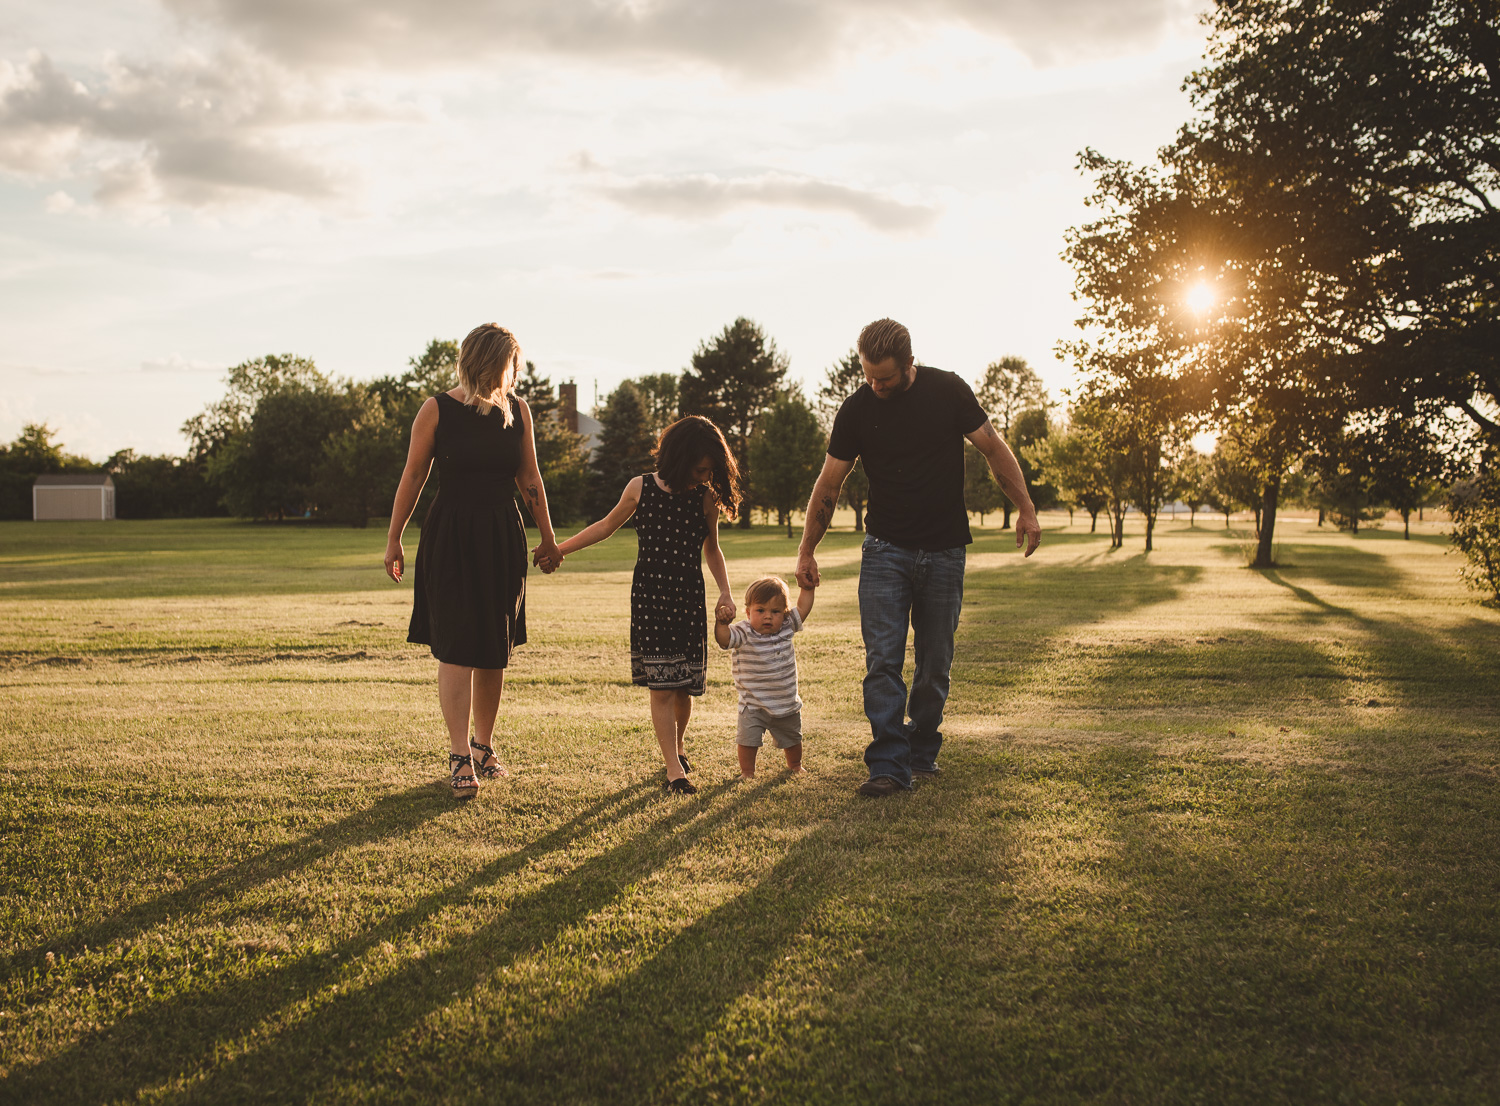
pixel 1366 134
pixel 786 454
pixel 734 378
pixel 624 449
pixel 1008 387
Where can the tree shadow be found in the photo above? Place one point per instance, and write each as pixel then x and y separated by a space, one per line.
pixel 186 1030
pixel 388 817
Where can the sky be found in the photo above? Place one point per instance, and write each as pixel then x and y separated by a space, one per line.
pixel 188 184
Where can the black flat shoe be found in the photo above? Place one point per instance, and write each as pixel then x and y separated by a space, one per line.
pixel 686 767
pixel 679 786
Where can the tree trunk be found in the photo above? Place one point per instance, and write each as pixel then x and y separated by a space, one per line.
pixel 1005 524
pixel 1320 516
pixel 789 524
pixel 1258 508
pixel 1406 523
pixel 859 517
pixel 1093 522
pixel 745 520
pixel 1150 526
pixel 1266 522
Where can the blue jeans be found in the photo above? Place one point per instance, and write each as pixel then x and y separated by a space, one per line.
pixel 898 585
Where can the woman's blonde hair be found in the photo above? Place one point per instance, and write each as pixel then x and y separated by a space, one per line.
pixel 488 362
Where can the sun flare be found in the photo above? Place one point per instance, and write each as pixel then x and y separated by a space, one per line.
pixel 1200 297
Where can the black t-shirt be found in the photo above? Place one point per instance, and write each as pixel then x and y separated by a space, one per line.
pixel 913 449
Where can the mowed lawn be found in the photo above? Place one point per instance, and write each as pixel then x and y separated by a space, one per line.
pixel 1203 834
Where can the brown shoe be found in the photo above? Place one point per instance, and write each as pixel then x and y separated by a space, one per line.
pixel 879 787
pixel 926 773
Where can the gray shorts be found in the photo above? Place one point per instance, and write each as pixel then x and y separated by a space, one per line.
pixel 785 730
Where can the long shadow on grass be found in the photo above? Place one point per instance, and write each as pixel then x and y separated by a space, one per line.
pixel 1280 934
pixel 391 816
pixel 299 1052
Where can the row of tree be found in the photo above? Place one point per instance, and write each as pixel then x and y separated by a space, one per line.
pixel 1312 264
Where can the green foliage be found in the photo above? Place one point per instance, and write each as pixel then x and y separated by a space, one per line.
pixel 1194 482
pixel 560 454
pixel 624 448
pixel 1358 142
pixel 660 393
pixel 1030 428
pixel 1073 462
pixel 160 487
pixel 1009 387
pixel 786 454
pixel 1235 477
pixel 840 381
pixel 1474 509
pixel 269 467
pixel 734 378
pixel 1342 482
pixel 981 493
pixel 361 464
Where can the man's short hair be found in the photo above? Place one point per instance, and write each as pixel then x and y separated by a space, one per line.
pixel 767 588
pixel 886 338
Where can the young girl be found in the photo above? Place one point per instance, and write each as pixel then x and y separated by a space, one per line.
pixel 676 511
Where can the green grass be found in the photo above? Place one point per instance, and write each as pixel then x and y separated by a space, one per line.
pixel 1204 834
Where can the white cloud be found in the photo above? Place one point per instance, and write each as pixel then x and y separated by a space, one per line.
pixel 768 37
pixel 704 195
pixel 195 131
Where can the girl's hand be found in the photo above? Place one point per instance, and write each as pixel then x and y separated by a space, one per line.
pixel 547 557
pixel 395 560
pixel 724 610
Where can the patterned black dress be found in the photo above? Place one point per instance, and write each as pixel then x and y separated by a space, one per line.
pixel 668 613
pixel 470 574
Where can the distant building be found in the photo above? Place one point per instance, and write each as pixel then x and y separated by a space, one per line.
pixel 575 420
pixel 83 495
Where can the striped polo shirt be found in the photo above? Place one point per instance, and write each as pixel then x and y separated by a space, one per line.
pixel 765 666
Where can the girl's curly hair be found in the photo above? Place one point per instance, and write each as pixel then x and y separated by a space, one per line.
pixel 688 441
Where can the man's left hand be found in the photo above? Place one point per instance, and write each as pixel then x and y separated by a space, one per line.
pixel 1028 530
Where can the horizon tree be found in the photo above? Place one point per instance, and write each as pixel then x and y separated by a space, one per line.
pixel 734 378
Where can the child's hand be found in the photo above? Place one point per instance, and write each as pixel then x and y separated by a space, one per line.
pixel 725 610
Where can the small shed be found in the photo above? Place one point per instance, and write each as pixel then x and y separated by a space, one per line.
pixel 80 495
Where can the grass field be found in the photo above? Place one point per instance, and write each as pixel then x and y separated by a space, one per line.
pixel 1204 834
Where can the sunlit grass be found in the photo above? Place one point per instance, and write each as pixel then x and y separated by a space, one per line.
pixel 1204 834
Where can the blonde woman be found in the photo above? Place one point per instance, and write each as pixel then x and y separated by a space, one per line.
pixel 469 604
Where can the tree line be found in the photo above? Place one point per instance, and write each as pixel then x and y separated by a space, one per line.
pixel 1312 268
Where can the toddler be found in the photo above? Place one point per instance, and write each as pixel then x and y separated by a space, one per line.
pixel 764 663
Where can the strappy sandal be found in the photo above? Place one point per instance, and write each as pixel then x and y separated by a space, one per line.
pixel 489 766
pixel 464 786
pixel 679 786
pixel 686 767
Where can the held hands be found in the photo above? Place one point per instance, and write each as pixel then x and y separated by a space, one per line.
pixel 547 556
pixel 724 610
pixel 807 571
pixel 395 560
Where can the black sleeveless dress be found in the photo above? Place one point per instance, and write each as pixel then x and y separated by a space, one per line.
pixel 470 573
pixel 668 614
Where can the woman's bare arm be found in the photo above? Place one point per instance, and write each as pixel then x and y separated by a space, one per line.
pixel 413 478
